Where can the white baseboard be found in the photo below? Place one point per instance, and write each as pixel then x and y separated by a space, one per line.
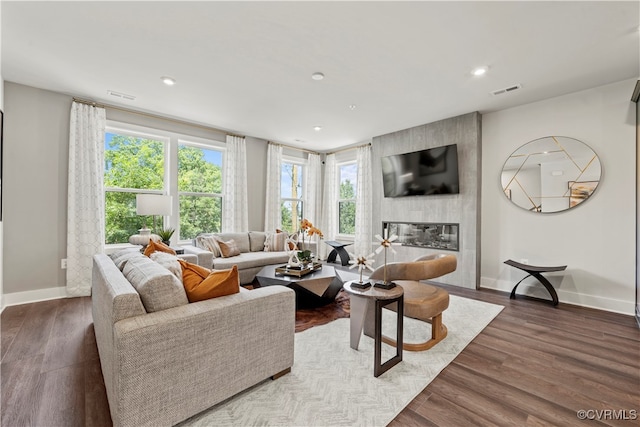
pixel 538 291
pixel 26 297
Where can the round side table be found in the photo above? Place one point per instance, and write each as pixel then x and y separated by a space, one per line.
pixel 366 314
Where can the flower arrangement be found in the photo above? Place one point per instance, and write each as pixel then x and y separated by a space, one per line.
pixel 306 227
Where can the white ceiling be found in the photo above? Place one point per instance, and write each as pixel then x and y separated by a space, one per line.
pixel 246 67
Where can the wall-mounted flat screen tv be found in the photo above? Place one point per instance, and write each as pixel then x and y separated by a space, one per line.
pixel 421 173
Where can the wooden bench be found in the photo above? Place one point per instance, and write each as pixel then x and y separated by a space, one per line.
pixel 536 271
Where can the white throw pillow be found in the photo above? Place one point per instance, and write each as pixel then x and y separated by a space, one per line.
pixel 275 242
pixel 168 261
pixel 209 243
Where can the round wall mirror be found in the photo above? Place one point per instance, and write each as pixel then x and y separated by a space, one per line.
pixel 551 174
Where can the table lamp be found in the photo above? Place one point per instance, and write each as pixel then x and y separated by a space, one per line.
pixel 150 204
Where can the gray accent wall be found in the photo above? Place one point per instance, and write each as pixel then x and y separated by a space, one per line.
pixel 463 208
pixel 36 139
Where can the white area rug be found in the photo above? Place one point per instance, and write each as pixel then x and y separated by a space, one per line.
pixel 331 384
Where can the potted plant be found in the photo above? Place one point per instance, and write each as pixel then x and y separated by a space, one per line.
pixel 306 227
pixel 165 234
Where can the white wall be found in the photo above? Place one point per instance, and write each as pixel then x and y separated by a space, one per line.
pixel 596 240
pixel 1 227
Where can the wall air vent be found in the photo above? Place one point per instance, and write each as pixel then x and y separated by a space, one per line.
pixel 506 90
pixel 121 95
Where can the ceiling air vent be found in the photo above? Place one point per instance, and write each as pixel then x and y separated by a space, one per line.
pixel 121 95
pixel 506 90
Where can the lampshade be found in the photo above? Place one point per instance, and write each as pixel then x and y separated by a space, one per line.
pixel 153 204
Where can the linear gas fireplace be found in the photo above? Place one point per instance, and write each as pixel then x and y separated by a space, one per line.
pixel 436 235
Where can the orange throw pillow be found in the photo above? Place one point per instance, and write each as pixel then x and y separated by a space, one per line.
pixel 201 283
pixel 154 246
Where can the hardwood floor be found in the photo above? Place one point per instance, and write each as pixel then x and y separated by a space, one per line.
pixel 533 365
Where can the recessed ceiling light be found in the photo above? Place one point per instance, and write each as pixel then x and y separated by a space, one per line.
pixel 352 107
pixel 169 81
pixel 317 76
pixel 317 128
pixel 480 71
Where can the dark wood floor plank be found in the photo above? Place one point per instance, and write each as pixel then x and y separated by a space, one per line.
pixel 511 396
pixel 22 386
pixel 486 353
pixel 12 319
pixel 443 412
pixel 497 413
pixel 409 418
pixel 611 397
pixel 584 327
pixel 419 400
pixel 624 328
pixel 63 397
pixel 96 403
pixel 530 381
pixel 559 349
pixel 559 365
pixel 587 343
pixel 90 345
pixel 623 383
pixel 67 343
pixel 35 331
pixel 491 338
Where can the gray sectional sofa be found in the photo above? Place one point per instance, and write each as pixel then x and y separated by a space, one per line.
pixel 252 254
pixel 164 359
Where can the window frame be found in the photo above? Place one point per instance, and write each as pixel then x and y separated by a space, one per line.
pixel 302 200
pixel 198 143
pixel 339 165
pixel 171 141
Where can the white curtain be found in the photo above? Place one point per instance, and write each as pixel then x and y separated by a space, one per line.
pixel 272 218
pixel 85 201
pixel 313 190
pixel 329 204
pixel 235 205
pixel 363 237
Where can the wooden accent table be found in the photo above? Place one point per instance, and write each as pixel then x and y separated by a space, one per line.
pixel 338 249
pixel 536 271
pixel 366 311
pixel 312 290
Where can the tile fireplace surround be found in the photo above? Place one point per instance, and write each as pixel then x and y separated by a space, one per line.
pixel 432 235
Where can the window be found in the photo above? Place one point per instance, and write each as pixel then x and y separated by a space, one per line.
pixel 145 161
pixel 291 197
pixel 199 190
pixel 348 178
pixel 134 164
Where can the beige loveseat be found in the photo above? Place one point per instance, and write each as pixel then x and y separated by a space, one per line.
pixel 252 258
pixel 165 360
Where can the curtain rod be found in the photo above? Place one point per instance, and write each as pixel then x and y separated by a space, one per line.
pixel 316 152
pixel 350 148
pixel 154 116
pixel 304 150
